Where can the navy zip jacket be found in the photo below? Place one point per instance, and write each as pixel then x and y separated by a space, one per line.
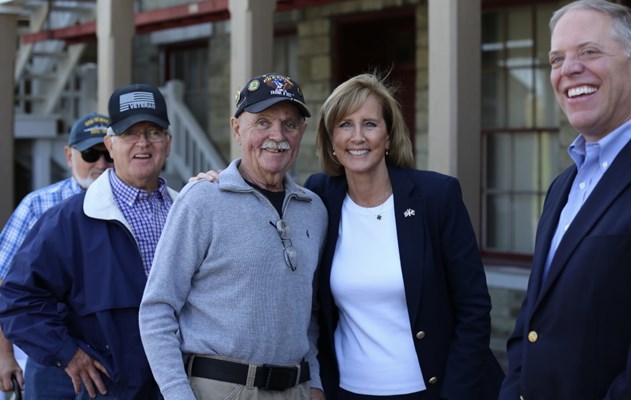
pixel 81 257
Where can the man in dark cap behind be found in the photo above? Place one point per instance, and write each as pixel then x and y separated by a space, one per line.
pixel 230 289
pixel 87 159
pixel 92 253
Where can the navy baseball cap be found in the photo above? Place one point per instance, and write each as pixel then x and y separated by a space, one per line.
pixel 262 92
pixel 88 131
pixel 136 103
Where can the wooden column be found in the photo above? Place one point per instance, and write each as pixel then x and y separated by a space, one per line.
pixel 251 46
pixel 8 49
pixel 455 95
pixel 115 28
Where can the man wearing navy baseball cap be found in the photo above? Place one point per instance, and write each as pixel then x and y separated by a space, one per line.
pixel 87 159
pixel 85 149
pixel 98 267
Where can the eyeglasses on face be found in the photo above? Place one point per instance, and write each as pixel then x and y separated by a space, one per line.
pixel 92 155
pixel 152 135
pixel 289 251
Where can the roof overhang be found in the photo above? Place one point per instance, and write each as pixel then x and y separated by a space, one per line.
pixel 164 18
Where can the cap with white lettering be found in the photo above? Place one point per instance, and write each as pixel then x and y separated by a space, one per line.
pixel 88 131
pixel 136 103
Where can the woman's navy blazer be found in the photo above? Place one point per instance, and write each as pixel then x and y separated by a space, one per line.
pixel 445 285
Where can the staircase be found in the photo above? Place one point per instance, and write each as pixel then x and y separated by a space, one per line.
pixel 52 90
pixel 191 151
pixel 46 95
pixel 44 68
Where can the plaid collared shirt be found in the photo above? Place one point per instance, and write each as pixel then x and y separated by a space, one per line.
pixel 145 212
pixel 27 213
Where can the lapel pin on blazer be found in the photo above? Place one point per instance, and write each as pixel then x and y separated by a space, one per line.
pixel 409 213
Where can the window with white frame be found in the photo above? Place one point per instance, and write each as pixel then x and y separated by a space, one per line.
pixel 521 151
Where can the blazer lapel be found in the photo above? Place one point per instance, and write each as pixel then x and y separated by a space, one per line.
pixel 548 223
pixel 409 214
pixel 614 181
pixel 333 197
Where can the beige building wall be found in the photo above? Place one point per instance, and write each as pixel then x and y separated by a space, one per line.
pixel 454 144
pixel 315 68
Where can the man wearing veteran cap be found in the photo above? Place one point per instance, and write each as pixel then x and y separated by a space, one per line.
pixel 87 158
pixel 92 254
pixel 237 308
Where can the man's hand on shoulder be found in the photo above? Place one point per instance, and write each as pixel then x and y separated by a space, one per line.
pixel 211 176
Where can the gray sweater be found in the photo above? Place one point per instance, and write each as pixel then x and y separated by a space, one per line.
pixel 219 284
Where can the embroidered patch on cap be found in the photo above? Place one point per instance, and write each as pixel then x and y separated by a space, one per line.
pixel 138 102
pixel 134 100
pixel 88 131
pixel 280 84
pixel 253 85
pixel 96 125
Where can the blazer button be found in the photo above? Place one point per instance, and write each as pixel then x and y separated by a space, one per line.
pixel 432 380
pixel 532 336
pixel 420 335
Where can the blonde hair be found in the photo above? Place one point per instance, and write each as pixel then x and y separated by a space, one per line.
pixel 347 98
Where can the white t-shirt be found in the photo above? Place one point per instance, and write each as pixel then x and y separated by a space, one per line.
pixel 373 339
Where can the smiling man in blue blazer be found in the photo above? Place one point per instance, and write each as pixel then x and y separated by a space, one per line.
pixel 572 337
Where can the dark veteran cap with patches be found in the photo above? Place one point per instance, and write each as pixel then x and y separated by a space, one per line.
pixel 264 91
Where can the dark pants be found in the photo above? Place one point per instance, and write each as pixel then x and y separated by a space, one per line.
pixel 346 395
pixel 43 382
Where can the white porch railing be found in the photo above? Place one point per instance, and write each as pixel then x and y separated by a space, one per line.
pixel 191 150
